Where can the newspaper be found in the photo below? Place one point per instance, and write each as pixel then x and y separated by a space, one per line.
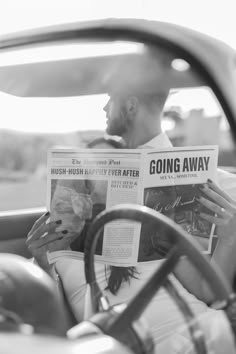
pixel 83 182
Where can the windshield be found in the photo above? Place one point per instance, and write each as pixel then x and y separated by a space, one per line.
pixel 55 95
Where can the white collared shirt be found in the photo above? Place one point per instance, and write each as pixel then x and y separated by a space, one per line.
pixel 160 141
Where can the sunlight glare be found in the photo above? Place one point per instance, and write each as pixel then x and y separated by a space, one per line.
pixel 68 51
pixel 195 98
pixel 53 115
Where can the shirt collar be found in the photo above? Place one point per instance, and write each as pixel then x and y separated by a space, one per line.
pixel 161 141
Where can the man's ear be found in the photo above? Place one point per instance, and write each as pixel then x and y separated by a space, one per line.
pixel 132 105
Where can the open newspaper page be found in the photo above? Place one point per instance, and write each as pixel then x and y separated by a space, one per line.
pixel 172 183
pixel 82 183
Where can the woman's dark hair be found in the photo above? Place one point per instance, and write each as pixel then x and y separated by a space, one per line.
pixel 114 143
pixel 117 274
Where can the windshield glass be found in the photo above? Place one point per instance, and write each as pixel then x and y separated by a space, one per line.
pixel 55 95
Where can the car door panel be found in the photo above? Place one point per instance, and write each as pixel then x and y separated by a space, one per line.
pixel 14 226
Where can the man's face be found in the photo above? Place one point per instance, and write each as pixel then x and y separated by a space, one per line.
pixel 117 123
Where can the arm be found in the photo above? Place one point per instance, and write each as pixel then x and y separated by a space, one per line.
pixel 224 208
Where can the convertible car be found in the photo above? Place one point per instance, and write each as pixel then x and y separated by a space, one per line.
pixel 55 83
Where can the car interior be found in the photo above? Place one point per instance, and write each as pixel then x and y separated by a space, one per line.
pixel 52 94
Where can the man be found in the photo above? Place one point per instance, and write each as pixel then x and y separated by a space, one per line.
pixel 137 119
pixel 138 88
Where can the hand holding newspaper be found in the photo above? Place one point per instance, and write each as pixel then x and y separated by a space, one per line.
pixel 83 182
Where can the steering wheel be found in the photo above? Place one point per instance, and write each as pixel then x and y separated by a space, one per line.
pixel 117 322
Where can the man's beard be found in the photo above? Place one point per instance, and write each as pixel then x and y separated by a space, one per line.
pixel 118 125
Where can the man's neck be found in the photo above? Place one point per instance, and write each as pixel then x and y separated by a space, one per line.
pixel 138 137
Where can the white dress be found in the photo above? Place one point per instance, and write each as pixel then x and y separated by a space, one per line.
pixel 165 322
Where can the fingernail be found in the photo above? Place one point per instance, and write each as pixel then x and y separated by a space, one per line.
pixel 201 186
pixel 64 232
pixel 197 197
pixel 209 180
pixel 58 222
pixel 47 213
